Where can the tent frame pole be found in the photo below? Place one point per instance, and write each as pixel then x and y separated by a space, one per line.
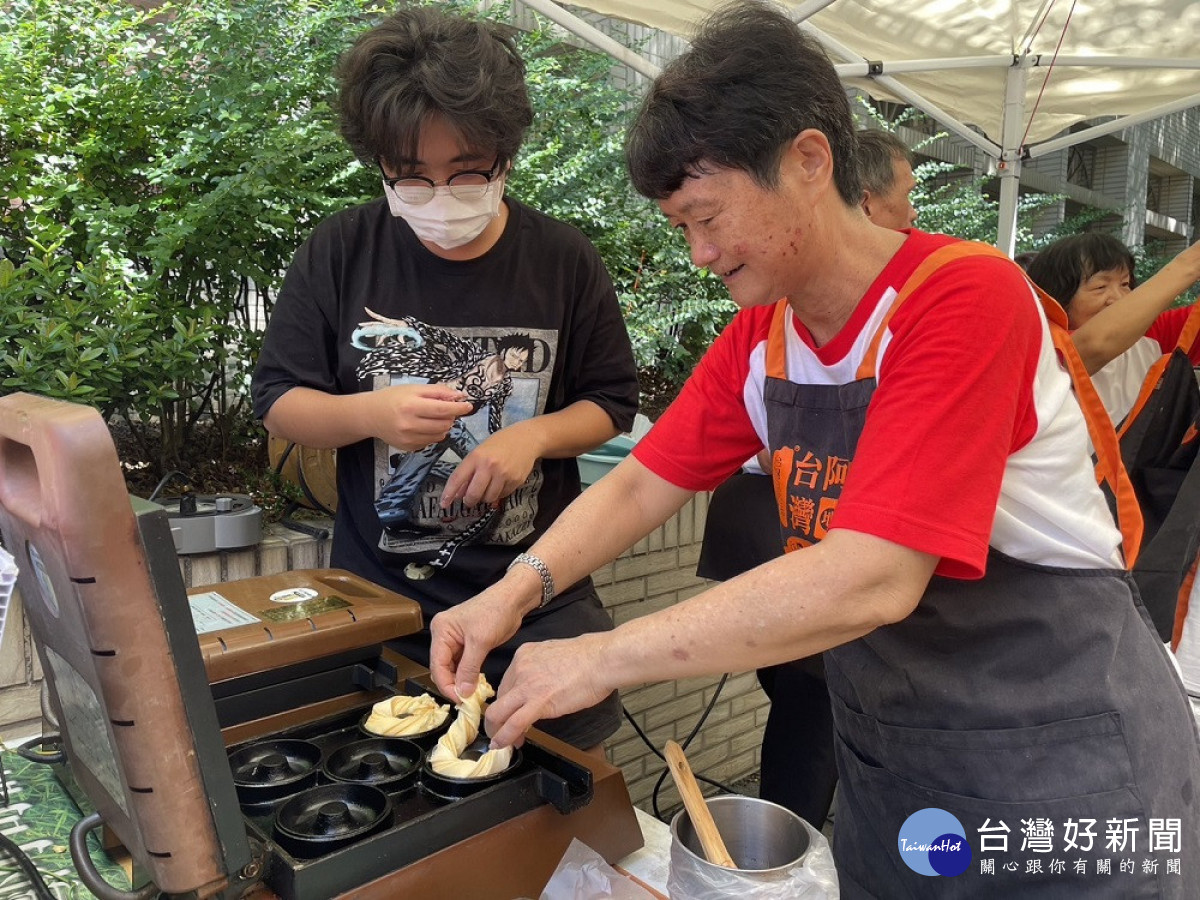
pixel 594 36
pixel 1008 165
pixel 1118 124
pixel 1009 155
pixel 909 96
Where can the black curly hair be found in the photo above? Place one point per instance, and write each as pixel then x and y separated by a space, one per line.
pixel 1062 267
pixel 751 81
pixel 421 62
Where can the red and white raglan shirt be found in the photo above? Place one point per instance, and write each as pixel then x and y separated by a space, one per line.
pixel 973 436
pixel 1120 381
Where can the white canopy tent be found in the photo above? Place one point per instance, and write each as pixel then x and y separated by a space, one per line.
pixel 1005 75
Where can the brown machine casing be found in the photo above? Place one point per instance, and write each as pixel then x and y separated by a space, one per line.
pixel 351 613
pixel 149 711
pixel 92 601
pixel 301 660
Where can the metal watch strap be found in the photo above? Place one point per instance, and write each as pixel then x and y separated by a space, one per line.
pixel 543 572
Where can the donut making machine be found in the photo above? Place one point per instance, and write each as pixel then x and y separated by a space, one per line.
pixel 218 733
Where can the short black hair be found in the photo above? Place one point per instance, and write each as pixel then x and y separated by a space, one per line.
pixel 876 151
pixel 421 62
pixel 750 82
pixel 1025 258
pixel 514 340
pixel 1063 266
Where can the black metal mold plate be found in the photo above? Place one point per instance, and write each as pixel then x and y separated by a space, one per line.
pixel 422 824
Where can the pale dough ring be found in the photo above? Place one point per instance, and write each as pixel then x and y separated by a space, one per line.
pixel 444 759
pixel 404 715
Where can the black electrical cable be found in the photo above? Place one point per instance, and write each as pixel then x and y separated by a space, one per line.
pixel 287 519
pixel 163 483
pixel 283 457
pixel 658 814
pixel 40 889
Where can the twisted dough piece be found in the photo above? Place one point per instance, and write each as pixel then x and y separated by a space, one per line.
pixel 444 759
pixel 401 715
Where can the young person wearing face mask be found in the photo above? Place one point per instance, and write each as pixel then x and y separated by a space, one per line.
pixel 458 347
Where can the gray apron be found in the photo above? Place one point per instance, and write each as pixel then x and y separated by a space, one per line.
pixel 1033 697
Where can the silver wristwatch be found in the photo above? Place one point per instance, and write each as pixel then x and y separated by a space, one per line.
pixel 543 572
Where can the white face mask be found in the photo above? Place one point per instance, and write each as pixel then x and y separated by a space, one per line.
pixel 445 220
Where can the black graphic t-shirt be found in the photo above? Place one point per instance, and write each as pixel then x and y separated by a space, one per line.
pixel 528 328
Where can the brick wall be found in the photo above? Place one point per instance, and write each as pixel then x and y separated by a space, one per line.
pixel 657 572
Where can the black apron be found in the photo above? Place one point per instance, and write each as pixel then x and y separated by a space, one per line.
pixel 741 531
pixel 1032 695
pixel 1159 445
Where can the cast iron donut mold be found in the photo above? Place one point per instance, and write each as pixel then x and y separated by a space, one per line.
pixel 331 797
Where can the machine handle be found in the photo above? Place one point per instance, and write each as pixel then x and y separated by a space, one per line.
pixel 92 879
pixel 21 484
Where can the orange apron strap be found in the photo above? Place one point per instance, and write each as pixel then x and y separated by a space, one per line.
pixel 1191 328
pixel 1110 469
pixel 923 271
pixel 1149 386
pixel 776 366
pixel 776 362
pixel 1181 607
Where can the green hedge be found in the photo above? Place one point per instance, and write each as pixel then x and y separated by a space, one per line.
pixel 157 165
pixel 160 168
pixel 160 165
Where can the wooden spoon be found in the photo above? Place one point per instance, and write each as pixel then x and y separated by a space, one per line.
pixel 697 809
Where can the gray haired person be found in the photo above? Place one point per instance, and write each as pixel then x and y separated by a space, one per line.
pixel 885 165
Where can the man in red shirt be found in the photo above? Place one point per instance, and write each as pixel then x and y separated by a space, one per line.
pixel 948 547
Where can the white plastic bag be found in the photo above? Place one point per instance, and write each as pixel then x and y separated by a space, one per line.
pixel 8 580
pixel 582 874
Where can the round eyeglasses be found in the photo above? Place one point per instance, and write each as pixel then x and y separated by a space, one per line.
pixel 470 184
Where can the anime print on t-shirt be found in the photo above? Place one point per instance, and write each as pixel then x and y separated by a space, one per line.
pixel 506 376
